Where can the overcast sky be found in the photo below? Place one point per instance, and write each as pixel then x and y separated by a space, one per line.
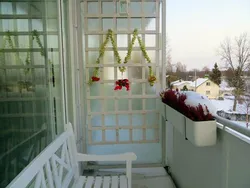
pixel 196 27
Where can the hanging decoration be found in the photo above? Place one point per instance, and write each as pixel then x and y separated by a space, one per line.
pixel 122 82
pixel 8 40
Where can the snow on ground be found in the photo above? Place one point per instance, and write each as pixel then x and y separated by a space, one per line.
pixel 227 105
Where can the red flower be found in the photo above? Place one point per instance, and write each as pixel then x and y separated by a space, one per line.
pixel 95 79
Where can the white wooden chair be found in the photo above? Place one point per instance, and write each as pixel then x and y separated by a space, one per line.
pixel 57 167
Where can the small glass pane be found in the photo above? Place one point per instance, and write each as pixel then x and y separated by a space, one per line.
pixel 152 55
pixel 150 104
pixel 108 8
pixel 150 40
pixel 123 120
pixel 23 41
pixel 108 73
pixel 110 120
pixel 52 25
pixel 123 104
pixel 93 24
pixel 136 56
pixel 93 8
pixel 37 25
pixel 35 44
pixel 137 120
pixel 35 9
pixel 96 121
pixel 92 57
pixel 22 25
pixel 93 41
pixel 136 89
pixel 150 90
pixel 136 104
pixel 149 8
pixel 108 89
pixel 135 8
pixel 21 8
pixel 95 105
pixel 52 41
pixel 110 135
pixel 95 89
pixel 107 24
pixel 108 57
pixel 150 24
pixel 135 23
pixel 8 24
pixel 137 135
pixel 135 72
pixel 96 135
pixel 150 134
pixel 122 41
pixel 123 135
pixel 109 105
pixel 6 8
pixel 50 9
pixel 151 119
pixel 122 24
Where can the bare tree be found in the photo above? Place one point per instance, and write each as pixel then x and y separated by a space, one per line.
pixel 237 56
pixel 169 66
pixel 246 105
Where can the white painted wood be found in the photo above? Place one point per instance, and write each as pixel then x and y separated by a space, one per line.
pixel 80 182
pixel 98 182
pixel 90 181
pixel 118 157
pixel 106 182
pixel 62 170
pixel 114 182
pixel 123 182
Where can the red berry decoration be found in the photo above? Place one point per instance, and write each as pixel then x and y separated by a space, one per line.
pixel 122 83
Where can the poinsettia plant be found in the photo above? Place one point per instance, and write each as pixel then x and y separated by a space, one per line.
pixel 177 101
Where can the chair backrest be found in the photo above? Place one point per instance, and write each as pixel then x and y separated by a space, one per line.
pixel 54 167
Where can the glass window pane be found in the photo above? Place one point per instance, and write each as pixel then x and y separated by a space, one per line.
pixel 27 104
pixel 108 8
pixel 93 24
pixel 122 24
pixel 93 8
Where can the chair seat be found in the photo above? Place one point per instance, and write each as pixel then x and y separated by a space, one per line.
pixel 101 182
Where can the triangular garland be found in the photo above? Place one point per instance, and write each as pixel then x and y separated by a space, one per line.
pixel 151 78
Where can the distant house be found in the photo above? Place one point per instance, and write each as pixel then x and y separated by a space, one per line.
pixel 205 86
pixel 179 84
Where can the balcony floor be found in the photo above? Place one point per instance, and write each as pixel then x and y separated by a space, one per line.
pixel 145 177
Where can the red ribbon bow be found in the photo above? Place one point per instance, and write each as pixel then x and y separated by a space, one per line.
pixel 122 83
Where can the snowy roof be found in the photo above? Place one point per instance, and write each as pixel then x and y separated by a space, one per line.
pixel 199 81
pixel 181 83
pixel 175 82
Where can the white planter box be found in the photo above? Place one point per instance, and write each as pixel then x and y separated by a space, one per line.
pixel 201 133
pixel 176 119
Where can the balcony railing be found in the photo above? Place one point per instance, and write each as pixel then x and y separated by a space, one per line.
pixel 225 165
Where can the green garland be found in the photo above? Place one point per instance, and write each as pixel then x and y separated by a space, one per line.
pixel 109 35
pixel 7 39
